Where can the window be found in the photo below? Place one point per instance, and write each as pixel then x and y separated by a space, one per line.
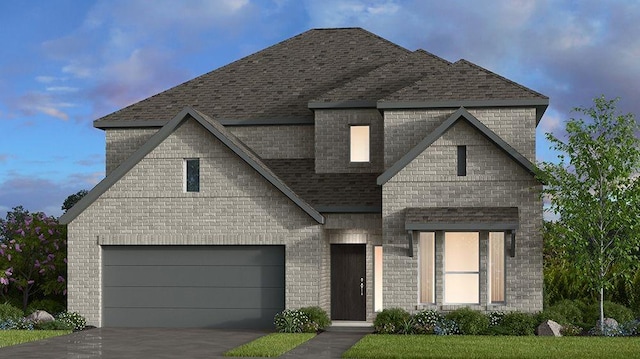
pixel 462 268
pixel 496 267
pixel 426 257
pixel 462 160
pixel 359 143
pixel 377 278
pixel 192 175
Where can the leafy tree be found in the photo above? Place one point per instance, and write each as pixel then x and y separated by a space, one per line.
pixel 33 250
pixel 596 192
pixel 73 199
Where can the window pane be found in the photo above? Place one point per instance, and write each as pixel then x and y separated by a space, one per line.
pixel 193 175
pixel 377 278
pixel 426 257
pixel 359 143
pixel 462 288
pixel 496 266
pixel 461 252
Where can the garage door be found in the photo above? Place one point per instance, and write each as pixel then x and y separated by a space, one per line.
pixel 192 286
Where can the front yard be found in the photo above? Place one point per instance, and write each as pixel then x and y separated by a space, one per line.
pixel 432 346
pixel 13 337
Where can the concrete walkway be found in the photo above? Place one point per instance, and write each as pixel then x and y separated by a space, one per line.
pixel 140 343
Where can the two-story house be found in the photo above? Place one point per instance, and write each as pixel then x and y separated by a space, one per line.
pixel 334 169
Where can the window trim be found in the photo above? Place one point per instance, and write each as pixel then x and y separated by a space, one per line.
pixel 462 161
pixel 351 144
pixel 185 171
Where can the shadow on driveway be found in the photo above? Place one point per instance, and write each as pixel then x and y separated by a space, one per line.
pixel 116 343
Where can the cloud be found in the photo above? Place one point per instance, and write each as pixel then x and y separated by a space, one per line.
pixel 41 194
pixel 91 161
pixel 32 103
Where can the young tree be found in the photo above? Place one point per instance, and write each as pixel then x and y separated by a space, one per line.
pixel 73 199
pixel 595 190
pixel 33 250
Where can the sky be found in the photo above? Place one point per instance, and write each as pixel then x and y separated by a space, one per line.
pixel 66 63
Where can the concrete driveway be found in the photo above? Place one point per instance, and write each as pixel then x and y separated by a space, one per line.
pixel 119 343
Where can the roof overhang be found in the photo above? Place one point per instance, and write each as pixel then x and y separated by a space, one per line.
pixel 271 121
pixel 462 219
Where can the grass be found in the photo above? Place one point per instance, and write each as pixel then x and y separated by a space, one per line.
pixel 431 346
pixel 13 337
pixel 271 345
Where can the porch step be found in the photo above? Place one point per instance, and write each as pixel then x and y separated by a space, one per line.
pixel 350 326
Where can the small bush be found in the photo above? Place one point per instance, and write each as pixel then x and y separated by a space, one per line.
pixel 631 328
pixel 446 327
pixel 616 311
pixel 568 310
pixel 495 318
pixel 518 323
pixel 318 316
pixel 75 320
pixel 16 324
pixel 54 325
pixel 291 321
pixel 50 306
pixel 426 321
pixel 570 330
pixel 7 311
pixel 390 321
pixel 470 322
pixel 550 314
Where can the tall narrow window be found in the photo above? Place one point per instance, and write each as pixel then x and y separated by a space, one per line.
pixel 462 268
pixel 192 175
pixel 359 143
pixel 462 160
pixel 427 264
pixel 377 278
pixel 496 267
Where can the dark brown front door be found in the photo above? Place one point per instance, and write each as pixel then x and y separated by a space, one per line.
pixel 348 282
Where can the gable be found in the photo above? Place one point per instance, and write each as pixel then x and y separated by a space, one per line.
pixel 461 115
pixel 235 147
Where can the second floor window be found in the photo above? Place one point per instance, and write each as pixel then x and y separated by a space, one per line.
pixel 359 144
pixel 192 175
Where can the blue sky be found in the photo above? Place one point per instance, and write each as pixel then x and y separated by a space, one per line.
pixel 65 63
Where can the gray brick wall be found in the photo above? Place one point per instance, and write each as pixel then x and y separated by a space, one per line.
pixel 123 142
pixel 404 129
pixel 332 140
pixel 493 179
pixel 277 141
pixel 235 206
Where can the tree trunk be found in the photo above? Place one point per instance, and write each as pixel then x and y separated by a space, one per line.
pixel 601 310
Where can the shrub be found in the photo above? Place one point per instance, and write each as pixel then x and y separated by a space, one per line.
pixel 568 310
pixel 618 312
pixel 9 312
pixel 631 328
pixel 17 324
pixel 54 325
pixel 550 314
pixel 470 322
pixel 75 320
pixel 495 318
pixel 426 321
pixel 318 316
pixel 446 327
pixel 570 330
pixel 291 321
pixel 390 321
pixel 518 323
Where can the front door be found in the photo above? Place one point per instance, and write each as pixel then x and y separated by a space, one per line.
pixel 348 282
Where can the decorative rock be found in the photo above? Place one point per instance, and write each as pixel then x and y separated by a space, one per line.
pixel 609 324
pixel 40 316
pixel 550 329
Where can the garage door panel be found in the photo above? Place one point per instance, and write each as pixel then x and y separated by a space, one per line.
pixel 190 297
pixel 194 255
pixel 192 286
pixel 194 276
pixel 190 318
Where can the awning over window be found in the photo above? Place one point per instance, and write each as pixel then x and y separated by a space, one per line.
pixel 461 219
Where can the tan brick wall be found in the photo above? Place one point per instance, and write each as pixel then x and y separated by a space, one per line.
pixel 235 205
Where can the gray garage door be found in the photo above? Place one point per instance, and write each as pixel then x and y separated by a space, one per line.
pixel 192 286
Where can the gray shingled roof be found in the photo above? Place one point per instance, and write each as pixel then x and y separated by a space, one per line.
pixel 274 83
pixel 462 218
pixel 385 79
pixel 463 80
pixel 329 192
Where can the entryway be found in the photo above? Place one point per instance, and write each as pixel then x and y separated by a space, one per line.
pixel 348 282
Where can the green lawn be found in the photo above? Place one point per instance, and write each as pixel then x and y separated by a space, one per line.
pixel 431 346
pixel 13 337
pixel 271 345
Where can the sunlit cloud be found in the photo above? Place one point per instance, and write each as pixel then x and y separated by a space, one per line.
pixel 62 89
